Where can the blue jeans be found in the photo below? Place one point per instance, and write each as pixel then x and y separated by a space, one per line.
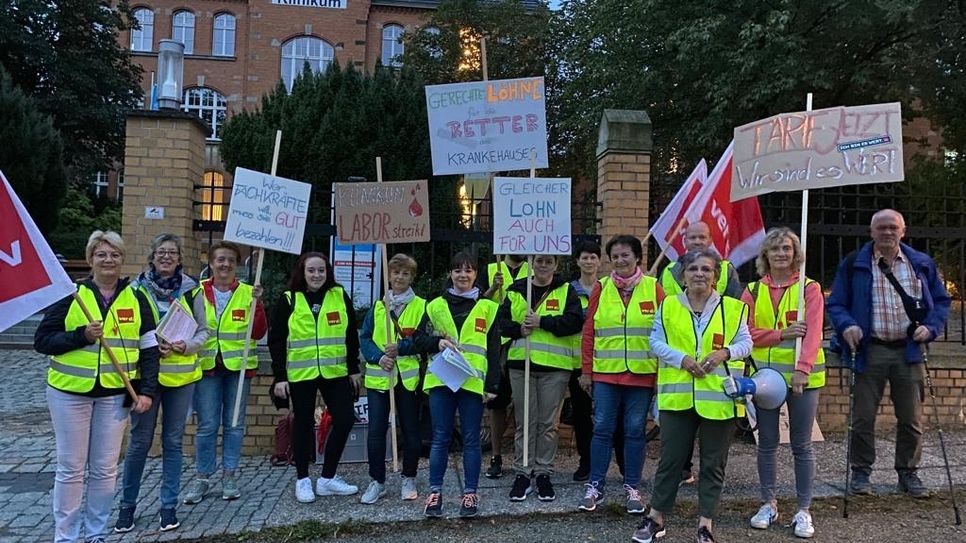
pixel 443 405
pixel 173 403
pixel 407 411
pixel 633 403
pixel 214 403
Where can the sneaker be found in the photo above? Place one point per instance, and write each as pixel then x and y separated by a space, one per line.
pixel 635 505
pixel 545 491
pixel 408 489
pixel 593 496
pixel 582 474
pixel 372 494
pixel 766 515
pixel 911 484
pixel 860 485
pixel 229 486
pixel 303 490
pixel 704 535
pixel 125 520
pixel 495 471
pixel 648 530
pixel 802 523
pixel 434 505
pixel 687 477
pixel 521 487
pixel 335 486
pixel 169 520
pixel 196 491
pixel 470 506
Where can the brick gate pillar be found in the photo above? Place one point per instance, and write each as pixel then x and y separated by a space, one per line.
pixel 624 147
pixel 164 159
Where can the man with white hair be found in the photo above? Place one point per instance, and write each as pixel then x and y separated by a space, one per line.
pixel 887 303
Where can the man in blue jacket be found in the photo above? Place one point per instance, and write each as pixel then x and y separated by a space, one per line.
pixel 886 344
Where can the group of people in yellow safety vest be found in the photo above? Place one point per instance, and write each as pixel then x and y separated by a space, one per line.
pixel 617 344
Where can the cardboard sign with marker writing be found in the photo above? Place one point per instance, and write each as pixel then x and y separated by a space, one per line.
pixel 388 212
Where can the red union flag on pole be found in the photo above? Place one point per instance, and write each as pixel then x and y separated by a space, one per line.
pixel 31 277
pixel 737 229
pixel 668 231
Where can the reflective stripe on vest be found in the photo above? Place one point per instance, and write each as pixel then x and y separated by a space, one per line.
pixel 77 370
pixel 228 333
pixel 622 340
pixel 782 356
pixel 471 336
pixel 672 287
pixel 546 349
pixel 317 342
pixel 677 389
pixel 408 366
pixel 175 370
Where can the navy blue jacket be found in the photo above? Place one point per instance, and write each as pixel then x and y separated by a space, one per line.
pixel 850 304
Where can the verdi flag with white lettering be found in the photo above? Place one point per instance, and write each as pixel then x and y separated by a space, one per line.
pixel 31 277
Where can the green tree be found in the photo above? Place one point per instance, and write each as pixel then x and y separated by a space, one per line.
pixel 31 154
pixel 65 54
pixel 78 218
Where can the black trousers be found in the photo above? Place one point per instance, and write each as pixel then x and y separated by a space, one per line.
pixel 338 397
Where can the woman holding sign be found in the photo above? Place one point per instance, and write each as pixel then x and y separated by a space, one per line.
pixel 165 285
pixel 379 347
pixel 315 348
pixel 227 303
pixel 549 322
pixel 775 327
pixel 462 321
pixel 85 394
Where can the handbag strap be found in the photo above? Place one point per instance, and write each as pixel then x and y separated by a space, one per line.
pixel 912 306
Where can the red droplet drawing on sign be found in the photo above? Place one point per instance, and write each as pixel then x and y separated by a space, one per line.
pixel 415 210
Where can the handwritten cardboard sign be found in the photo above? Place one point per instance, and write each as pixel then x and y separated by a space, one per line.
pixel 820 148
pixel 390 212
pixel 487 126
pixel 267 211
pixel 531 216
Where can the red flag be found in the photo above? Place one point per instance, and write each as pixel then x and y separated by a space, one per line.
pixel 31 277
pixel 669 230
pixel 737 229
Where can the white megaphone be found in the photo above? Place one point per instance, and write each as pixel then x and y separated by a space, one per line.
pixel 767 388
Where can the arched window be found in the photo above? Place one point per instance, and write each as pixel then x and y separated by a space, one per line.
pixel 214 197
pixel 183 30
pixel 142 38
pixel 223 44
pixel 209 105
pixel 392 47
pixel 306 49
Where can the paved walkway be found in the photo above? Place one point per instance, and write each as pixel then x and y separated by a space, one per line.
pixel 27 464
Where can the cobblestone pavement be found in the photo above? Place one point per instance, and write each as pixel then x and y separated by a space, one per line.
pixel 27 465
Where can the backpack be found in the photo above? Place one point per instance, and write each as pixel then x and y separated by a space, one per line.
pixel 284 453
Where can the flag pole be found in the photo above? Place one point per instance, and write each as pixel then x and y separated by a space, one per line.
pixel 800 314
pixel 653 270
pixel 389 330
pixel 110 352
pixel 259 254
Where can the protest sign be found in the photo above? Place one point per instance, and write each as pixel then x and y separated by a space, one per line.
pixel 267 211
pixel 531 216
pixel 819 148
pixel 387 212
pixel 487 126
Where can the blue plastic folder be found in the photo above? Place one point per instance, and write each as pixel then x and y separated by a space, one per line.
pixel 451 368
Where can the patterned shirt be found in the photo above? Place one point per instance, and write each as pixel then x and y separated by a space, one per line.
pixel 889 319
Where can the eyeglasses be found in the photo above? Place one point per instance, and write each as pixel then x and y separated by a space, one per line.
pixel 101 255
pixel 167 252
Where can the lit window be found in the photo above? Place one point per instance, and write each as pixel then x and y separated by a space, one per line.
pixel 305 50
pixel 99 187
pixel 224 39
pixel 209 105
pixel 214 197
pixel 183 30
pixel 142 38
pixel 392 47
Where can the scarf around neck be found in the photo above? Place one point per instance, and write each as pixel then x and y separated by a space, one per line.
pixel 472 294
pixel 398 302
pixel 626 284
pixel 162 288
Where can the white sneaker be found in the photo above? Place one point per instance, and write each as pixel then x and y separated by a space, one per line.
pixel 764 517
pixel 303 490
pixel 408 490
pixel 803 524
pixel 372 494
pixel 335 486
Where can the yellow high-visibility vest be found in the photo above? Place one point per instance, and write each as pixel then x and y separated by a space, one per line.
pixel 316 345
pixel 175 370
pixel 408 366
pixel 782 356
pixel 546 349
pixel 227 334
pixel 499 295
pixel 471 337
pixel 622 336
